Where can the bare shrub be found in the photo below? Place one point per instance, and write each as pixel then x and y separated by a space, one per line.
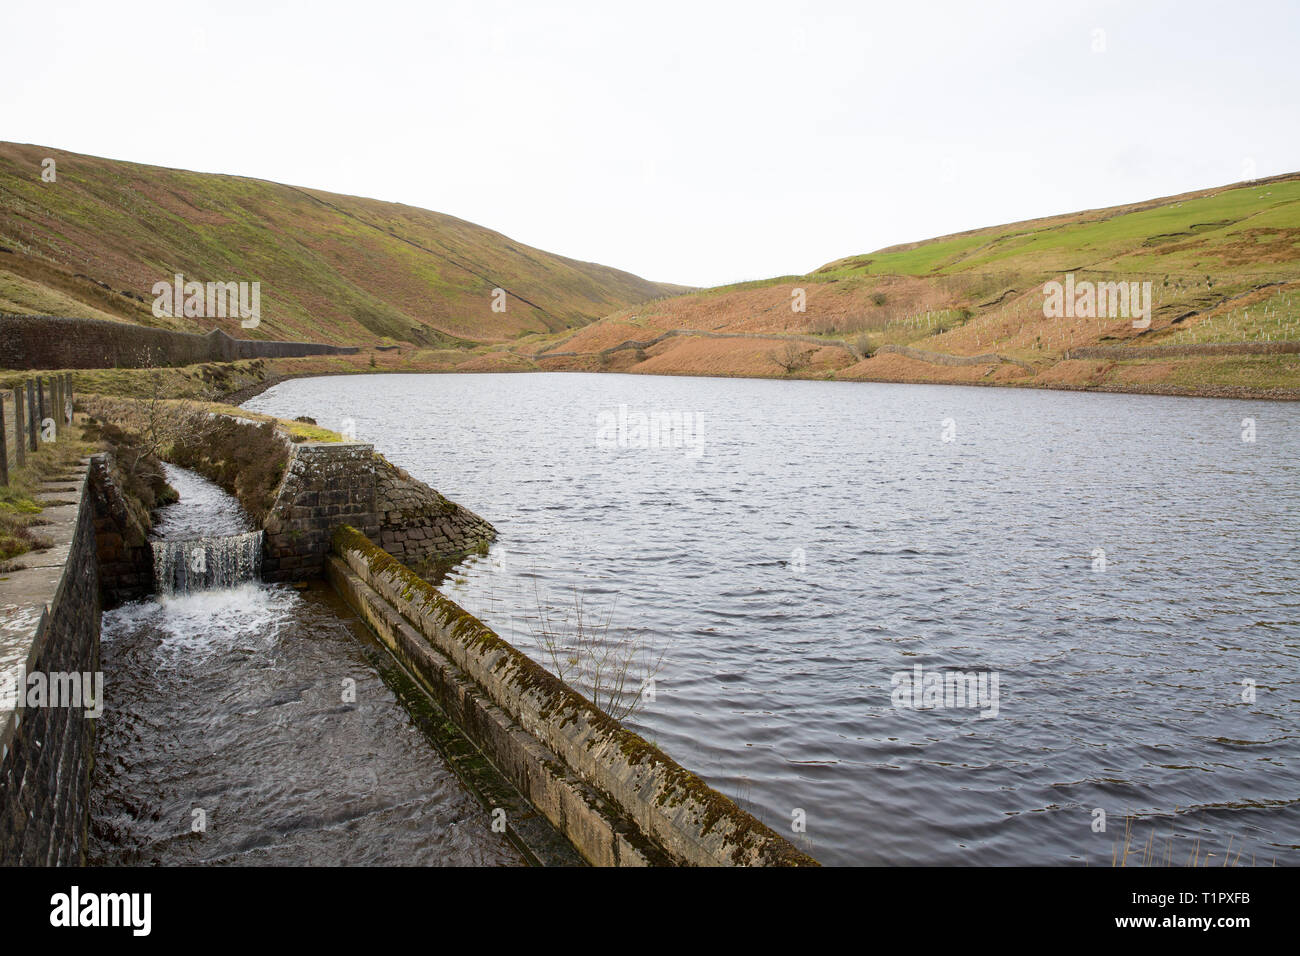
pixel 247 459
pixel 613 668
pixel 138 474
pixel 791 358
pixel 824 324
pixel 140 432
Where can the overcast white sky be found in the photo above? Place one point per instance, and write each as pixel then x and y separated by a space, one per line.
pixel 693 142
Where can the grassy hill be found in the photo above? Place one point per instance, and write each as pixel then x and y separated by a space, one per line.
pixel 1223 263
pixel 332 268
pixel 1224 266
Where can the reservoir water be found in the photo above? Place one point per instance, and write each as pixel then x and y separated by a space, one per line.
pixel 248 724
pixel 1123 569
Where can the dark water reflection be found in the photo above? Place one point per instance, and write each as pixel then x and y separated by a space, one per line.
pixel 819 538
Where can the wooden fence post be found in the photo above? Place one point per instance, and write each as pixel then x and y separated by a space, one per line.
pixel 4 445
pixel 20 440
pixel 52 414
pixel 33 433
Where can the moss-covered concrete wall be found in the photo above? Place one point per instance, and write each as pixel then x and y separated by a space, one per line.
pixel 619 799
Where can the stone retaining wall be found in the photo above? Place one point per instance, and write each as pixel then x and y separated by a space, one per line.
pixel 944 358
pixel 418 524
pixel 617 798
pixel 124 556
pixel 332 484
pixel 638 345
pixel 1121 353
pixel 49 625
pixel 326 485
pixel 44 341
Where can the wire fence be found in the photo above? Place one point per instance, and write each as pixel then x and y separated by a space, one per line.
pixel 33 413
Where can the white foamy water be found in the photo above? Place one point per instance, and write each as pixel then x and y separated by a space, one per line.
pixel 197 625
pixel 204 541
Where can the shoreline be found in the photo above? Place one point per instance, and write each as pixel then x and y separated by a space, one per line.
pixel 1235 392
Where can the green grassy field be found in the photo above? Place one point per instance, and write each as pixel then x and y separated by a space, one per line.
pixel 1242 230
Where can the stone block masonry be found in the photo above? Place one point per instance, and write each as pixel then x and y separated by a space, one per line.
pixel 328 485
pixel 418 524
pixel 49 624
pixel 325 486
pixel 125 558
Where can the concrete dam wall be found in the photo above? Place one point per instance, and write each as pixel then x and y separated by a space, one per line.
pixel 52 342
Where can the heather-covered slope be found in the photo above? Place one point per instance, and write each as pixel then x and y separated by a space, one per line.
pixel 1224 268
pixel 337 269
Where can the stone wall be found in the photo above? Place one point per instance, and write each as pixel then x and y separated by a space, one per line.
pixel 42 341
pixel 619 799
pixel 124 555
pixel 1122 353
pixel 325 486
pixel 418 524
pixel 944 358
pixel 332 484
pixel 49 625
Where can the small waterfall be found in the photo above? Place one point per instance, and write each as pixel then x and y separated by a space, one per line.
pixel 200 564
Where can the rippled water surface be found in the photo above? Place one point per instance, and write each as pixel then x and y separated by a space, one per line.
pixel 226 737
pixel 1121 564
